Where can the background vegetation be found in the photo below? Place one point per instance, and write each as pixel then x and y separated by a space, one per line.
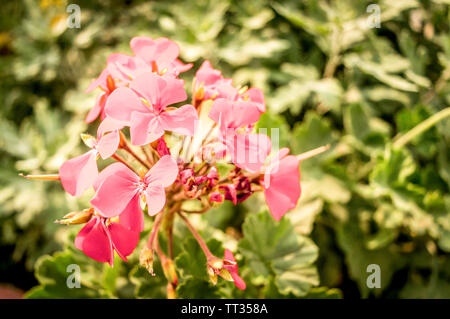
pixel 328 77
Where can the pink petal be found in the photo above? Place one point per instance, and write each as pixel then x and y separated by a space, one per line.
pixel 145 128
pixel 163 173
pixel 161 49
pixel 160 91
pixel 123 239
pixel 122 103
pixel 108 125
pixel 156 199
pixel 231 114
pixel 257 96
pixel 98 108
pixel 248 151
pixel 115 192
pixel 109 170
pixel 182 120
pixel 132 217
pixel 79 173
pixel 108 144
pixel 94 241
pixel 284 190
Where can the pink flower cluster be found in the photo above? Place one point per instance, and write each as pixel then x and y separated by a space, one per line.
pixel 140 96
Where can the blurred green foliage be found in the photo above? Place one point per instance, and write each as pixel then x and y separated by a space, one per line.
pixel 328 77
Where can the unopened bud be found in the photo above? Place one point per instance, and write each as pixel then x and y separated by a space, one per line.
pixel 110 83
pixel 146 259
pixel 212 276
pixel 171 291
pixel 225 274
pixel 215 263
pixel 200 94
pixel 76 218
pixel 169 270
pixel 88 140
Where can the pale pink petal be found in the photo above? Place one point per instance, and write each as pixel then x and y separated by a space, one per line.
pixel 284 190
pixel 98 108
pixel 94 241
pixel 145 128
pixel 115 192
pixel 233 114
pixel 79 173
pixel 99 82
pixel 123 239
pixel 173 91
pixel 257 96
pixel 108 125
pixel 156 199
pixel 122 103
pixel 161 49
pixel 248 151
pixel 182 120
pixel 108 144
pixel 163 173
pixel 150 86
pixel 132 217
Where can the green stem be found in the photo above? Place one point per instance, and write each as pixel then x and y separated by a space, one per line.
pixel 422 127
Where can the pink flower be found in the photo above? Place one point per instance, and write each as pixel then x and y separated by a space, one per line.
pixel 119 188
pixel 148 120
pixel 231 265
pixel 119 71
pixel 282 183
pixel 213 83
pixel 100 237
pixel 80 173
pixel 215 86
pixel 160 53
pixel 247 150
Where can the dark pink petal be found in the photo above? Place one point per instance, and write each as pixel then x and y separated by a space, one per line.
pixel 182 120
pixel 132 217
pixel 94 241
pixel 79 173
pixel 123 239
pixel 156 199
pixel 145 128
pixel 107 171
pixel 122 103
pixel 163 173
pixel 115 192
pixel 233 269
pixel 108 144
pixel 283 190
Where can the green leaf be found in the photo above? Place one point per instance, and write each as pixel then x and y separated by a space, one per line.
pixel 278 251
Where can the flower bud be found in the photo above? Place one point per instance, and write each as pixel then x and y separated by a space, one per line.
pixel 212 275
pixel 171 291
pixel 146 259
pixel 169 270
pixel 216 197
pixel 225 274
pixel 76 218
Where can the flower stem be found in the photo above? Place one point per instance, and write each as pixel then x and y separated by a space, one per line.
pixel 154 231
pixel 420 128
pixel 129 150
pixel 197 236
pixel 123 161
pixel 314 152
